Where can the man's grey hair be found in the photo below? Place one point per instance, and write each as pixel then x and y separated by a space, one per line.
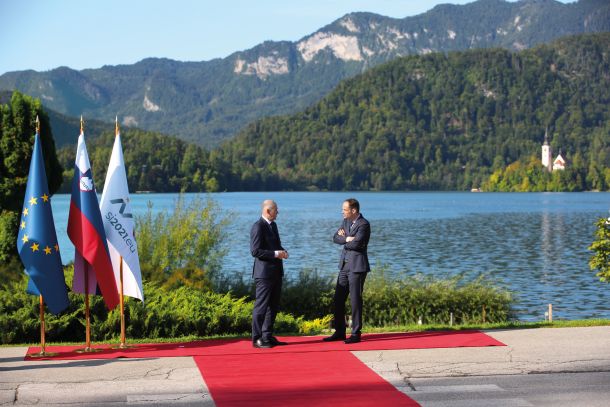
pixel 268 203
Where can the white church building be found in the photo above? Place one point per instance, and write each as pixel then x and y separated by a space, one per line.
pixel 559 163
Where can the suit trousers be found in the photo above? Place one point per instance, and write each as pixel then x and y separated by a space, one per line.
pixel 351 284
pixel 266 307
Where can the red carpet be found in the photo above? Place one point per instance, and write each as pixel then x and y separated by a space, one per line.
pixel 296 344
pixel 306 372
pixel 295 380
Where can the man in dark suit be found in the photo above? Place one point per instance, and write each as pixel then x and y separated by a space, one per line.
pixel 354 235
pixel 267 250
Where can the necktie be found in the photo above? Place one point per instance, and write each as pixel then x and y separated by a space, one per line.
pixel 274 229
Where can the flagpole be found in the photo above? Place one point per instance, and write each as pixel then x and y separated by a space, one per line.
pixel 86 265
pixel 43 353
pixel 122 344
pixel 87 348
pixel 43 344
pixel 42 327
pixel 40 299
pixel 122 297
pixel 87 312
pixel 86 269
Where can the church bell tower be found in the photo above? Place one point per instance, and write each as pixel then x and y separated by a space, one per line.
pixel 546 152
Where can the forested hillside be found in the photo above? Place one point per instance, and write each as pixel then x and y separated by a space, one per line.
pixel 154 162
pixel 441 121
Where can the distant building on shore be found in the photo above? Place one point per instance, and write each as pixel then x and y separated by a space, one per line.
pixel 559 163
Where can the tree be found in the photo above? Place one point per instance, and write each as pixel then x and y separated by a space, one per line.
pixel 600 260
pixel 17 129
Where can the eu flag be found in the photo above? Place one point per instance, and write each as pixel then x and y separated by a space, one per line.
pixel 37 240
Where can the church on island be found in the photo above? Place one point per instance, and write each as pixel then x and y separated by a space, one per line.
pixel 547 157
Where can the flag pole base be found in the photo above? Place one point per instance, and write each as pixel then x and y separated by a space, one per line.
pixel 123 346
pixel 42 354
pixel 88 349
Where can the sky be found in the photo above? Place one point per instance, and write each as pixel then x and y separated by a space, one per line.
pixel 46 34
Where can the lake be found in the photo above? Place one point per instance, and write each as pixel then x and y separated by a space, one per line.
pixel 534 244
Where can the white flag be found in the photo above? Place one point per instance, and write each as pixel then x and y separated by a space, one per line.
pixel 119 224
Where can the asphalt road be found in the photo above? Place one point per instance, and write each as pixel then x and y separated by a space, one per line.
pixel 555 389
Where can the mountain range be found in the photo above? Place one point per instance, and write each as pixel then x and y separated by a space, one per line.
pixel 210 101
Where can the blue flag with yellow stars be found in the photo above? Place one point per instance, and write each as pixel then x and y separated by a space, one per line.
pixel 37 240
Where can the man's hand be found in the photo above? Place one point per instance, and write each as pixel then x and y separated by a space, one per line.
pixel 341 232
pixel 282 254
pixel 349 238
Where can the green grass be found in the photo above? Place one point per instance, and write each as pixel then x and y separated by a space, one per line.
pixel 130 341
pixel 579 323
pixel 496 325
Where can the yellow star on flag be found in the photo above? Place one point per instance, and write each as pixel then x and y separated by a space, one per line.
pixel 22 225
pixel 25 238
pixel 34 247
pixel 47 250
pixel 33 201
pixel 56 247
pixel 45 197
pixel 25 211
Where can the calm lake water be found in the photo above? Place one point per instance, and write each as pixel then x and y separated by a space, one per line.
pixel 534 244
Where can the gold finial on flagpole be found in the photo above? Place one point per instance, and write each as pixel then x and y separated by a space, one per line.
pixel 82 124
pixel 116 125
pixel 37 125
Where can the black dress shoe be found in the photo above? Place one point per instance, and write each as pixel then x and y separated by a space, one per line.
pixel 259 343
pixel 353 339
pixel 335 337
pixel 275 342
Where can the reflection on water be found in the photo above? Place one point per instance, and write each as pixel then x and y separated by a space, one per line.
pixel 533 244
pixel 533 254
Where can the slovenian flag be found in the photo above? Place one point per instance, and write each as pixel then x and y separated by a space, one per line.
pixel 37 240
pixel 86 231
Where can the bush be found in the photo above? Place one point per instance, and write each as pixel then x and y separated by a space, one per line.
pixel 404 301
pixel 20 317
pixel 315 326
pixel 166 314
pixel 8 235
pixel 392 301
pixel 600 260
pixel 183 247
pixel 309 295
pixel 186 311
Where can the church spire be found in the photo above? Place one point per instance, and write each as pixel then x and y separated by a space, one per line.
pixel 546 152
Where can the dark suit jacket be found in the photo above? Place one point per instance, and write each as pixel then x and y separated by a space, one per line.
pixel 263 244
pixel 354 253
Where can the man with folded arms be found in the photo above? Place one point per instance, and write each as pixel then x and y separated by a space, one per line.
pixel 353 235
pixel 268 270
